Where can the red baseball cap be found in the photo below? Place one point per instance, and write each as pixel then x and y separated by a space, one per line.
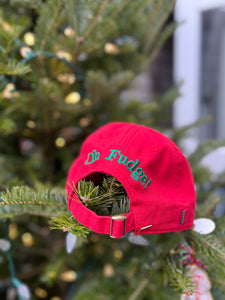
pixel 153 171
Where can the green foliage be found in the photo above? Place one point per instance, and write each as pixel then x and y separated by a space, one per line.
pixel 212 247
pixel 14 68
pixel 66 222
pixel 179 279
pixel 107 199
pixel 24 200
pixel 99 74
pixel 46 27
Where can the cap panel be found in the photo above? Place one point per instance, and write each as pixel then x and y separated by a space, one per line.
pixel 172 187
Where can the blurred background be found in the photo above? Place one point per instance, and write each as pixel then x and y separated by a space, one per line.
pixel 69 67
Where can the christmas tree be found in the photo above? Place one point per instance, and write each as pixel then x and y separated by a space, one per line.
pixel 63 66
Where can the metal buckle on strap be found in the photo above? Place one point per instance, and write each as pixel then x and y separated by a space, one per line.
pixel 118 218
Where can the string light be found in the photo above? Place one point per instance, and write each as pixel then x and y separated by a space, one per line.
pixel 21 289
pixel 108 270
pixel 84 122
pixel 9 91
pixel 60 142
pixel 111 48
pixel 27 239
pixel 68 276
pixel 71 241
pixel 72 98
pixel 118 254
pixel 7 27
pixel 68 78
pixel 69 32
pixel 29 38
pixel 31 124
pixel 4 245
pixel 41 293
pixel 25 51
pixel 13 231
pixel 63 54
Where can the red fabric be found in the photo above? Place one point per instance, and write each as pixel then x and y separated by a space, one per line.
pixel 164 194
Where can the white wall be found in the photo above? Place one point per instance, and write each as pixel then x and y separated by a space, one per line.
pixel 187 59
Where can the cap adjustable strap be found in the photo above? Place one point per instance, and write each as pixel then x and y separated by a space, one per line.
pixel 116 226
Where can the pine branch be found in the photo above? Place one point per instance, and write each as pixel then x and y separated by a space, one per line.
pixel 139 289
pixel 95 19
pixel 7 38
pixel 7 126
pixel 13 68
pixel 137 8
pixel 179 280
pixel 162 37
pixel 206 208
pixel 24 200
pixel 46 23
pixel 54 268
pixel 66 222
pixel 99 86
pixel 31 4
pixel 184 131
pixel 120 7
pixel 210 246
pixel 70 8
pixel 107 199
pixel 203 149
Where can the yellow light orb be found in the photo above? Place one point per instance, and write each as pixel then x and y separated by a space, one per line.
pixel 13 231
pixel 9 91
pixel 29 38
pixel 24 51
pixel 31 124
pixel 68 78
pixel 111 48
pixel 68 276
pixel 63 54
pixel 73 98
pixel 108 270
pixel 118 254
pixel 84 122
pixel 60 142
pixel 55 298
pixel 27 239
pixel 41 293
pixel 69 32
pixel 7 27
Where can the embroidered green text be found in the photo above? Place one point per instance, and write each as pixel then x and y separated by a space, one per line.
pixel 137 173
pixel 92 157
